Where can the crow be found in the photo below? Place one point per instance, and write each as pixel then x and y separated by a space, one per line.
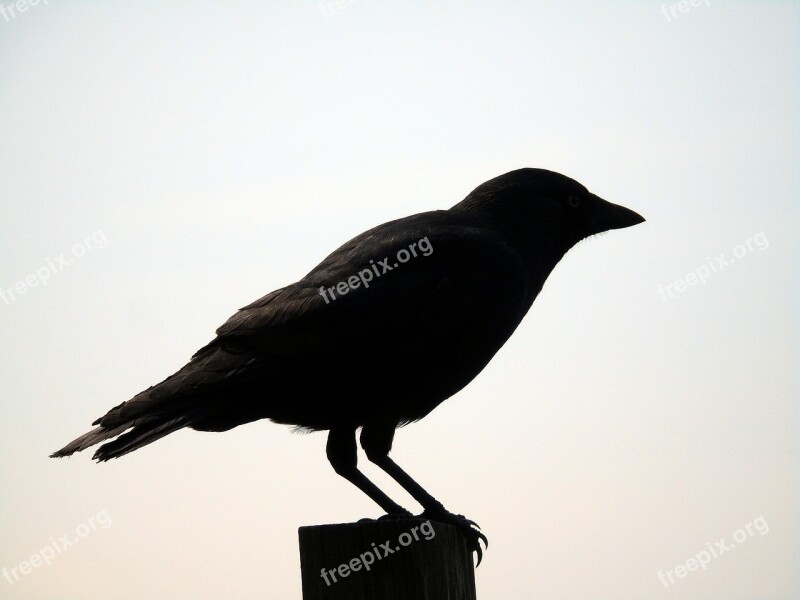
pixel 376 336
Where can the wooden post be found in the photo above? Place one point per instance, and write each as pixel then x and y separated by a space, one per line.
pixel 403 559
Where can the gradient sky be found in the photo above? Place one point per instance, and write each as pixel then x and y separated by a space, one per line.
pixel 189 158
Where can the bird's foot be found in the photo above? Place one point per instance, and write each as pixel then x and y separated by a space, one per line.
pixel 468 528
pixel 396 515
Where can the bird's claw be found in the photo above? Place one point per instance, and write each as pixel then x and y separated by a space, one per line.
pixel 395 515
pixel 467 527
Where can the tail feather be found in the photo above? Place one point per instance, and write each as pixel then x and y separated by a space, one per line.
pixel 181 400
pixel 96 435
pixel 141 435
pixel 143 431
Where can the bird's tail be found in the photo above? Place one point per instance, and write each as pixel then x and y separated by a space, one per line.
pixel 143 431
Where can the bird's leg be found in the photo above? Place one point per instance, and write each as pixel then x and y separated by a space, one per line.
pixel 341 451
pixel 377 443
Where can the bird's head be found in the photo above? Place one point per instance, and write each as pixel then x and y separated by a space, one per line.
pixel 542 212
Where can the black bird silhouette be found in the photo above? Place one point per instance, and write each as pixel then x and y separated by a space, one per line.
pixel 384 329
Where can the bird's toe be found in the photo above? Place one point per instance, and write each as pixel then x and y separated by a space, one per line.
pixel 395 515
pixel 466 527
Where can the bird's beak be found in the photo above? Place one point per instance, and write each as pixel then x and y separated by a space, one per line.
pixel 607 216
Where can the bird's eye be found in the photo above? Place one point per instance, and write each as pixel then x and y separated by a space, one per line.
pixel 574 201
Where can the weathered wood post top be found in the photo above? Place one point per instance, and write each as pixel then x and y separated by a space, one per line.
pixel 403 559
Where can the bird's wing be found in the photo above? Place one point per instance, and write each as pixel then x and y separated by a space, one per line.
pixel 419 308
pixel 468 269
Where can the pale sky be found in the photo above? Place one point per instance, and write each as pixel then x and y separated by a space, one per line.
pixel 187 159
